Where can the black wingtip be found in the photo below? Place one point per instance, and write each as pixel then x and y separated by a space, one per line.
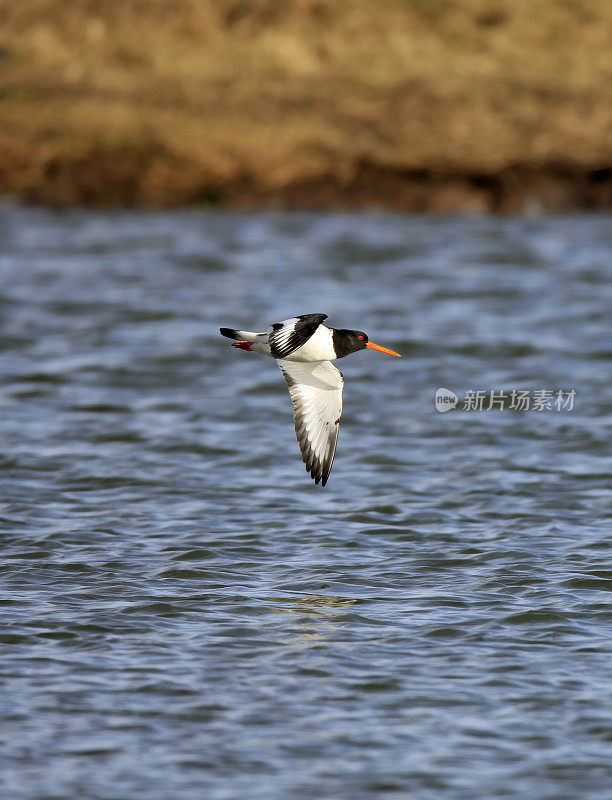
pixel 229 332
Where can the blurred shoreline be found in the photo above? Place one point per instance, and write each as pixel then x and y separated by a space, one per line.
pixel 416 105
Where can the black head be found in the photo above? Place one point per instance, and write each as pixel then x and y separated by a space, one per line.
pixel 346 342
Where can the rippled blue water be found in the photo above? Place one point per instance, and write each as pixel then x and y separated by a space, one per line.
pixel 184 614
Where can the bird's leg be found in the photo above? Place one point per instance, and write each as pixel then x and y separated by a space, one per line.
pixel 243 345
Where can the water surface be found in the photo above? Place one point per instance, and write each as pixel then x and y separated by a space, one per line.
pixel 185 614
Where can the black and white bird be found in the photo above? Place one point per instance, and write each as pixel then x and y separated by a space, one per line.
pixel 304 349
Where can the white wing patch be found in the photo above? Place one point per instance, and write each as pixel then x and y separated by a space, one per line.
pixel 316 393
pixel 287 336
pixel 281 336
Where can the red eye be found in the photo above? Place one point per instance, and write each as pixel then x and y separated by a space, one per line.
pixel 360 338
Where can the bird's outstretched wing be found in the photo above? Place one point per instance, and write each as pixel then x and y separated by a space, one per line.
pixel 316 392
pixel 285 337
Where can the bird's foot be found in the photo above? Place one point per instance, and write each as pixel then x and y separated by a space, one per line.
pixel 243 345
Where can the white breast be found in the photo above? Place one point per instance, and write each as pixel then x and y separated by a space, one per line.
pixel 320 347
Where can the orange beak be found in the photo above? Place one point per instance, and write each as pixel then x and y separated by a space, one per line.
pixel 380 349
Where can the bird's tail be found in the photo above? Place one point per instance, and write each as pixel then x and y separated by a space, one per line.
pixel 245 336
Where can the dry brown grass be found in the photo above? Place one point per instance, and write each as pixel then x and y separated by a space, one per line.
pixel 172 101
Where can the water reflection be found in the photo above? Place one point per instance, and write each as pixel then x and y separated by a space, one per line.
pixel 317 621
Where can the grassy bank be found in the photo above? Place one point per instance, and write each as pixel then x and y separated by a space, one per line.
pixel 416 104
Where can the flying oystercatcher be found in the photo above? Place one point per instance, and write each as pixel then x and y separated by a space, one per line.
pixel 304 349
